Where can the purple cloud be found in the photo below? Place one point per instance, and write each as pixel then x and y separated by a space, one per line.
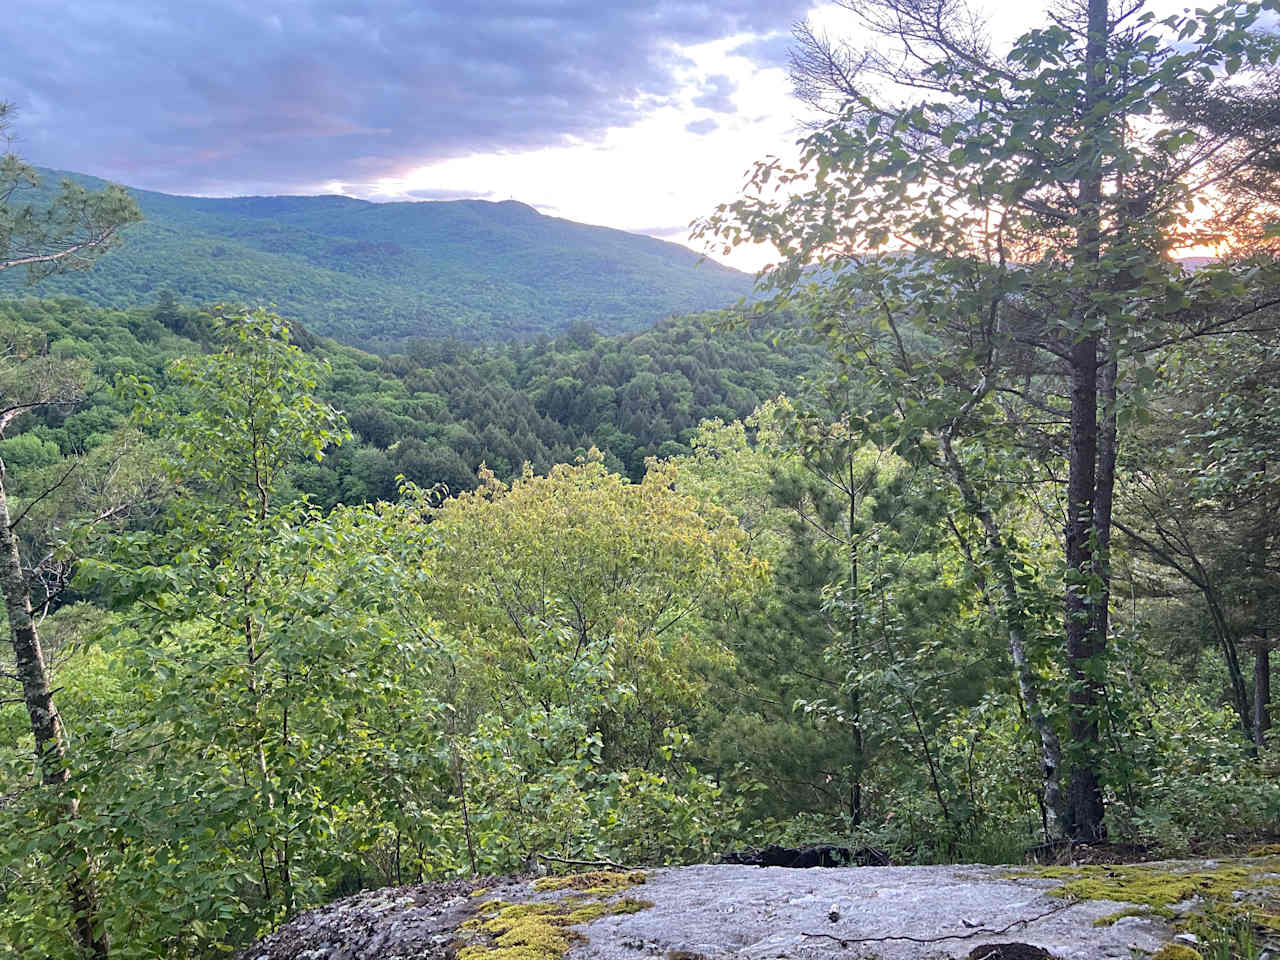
pixel 271 96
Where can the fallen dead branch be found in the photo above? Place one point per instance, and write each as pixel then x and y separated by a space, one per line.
pixel 584 863
pixel 979 931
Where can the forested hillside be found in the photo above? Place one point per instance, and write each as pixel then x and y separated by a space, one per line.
pixel 378 273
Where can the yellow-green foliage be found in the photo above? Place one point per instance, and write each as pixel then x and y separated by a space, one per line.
pixel 1176 951
pixel 595 881
pixel 628 558
pixel 1265 850
pixel 540 931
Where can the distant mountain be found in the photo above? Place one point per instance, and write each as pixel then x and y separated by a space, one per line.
pixel 376 272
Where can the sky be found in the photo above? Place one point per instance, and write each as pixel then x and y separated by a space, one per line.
pixel 636 114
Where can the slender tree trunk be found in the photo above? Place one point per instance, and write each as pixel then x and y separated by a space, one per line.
pixel 46 728
pixel 855 697
pixel 1230 654
pixel 859 758
pixel 1261 692
pixel 1104 497
pixel 1015 624
pixel 928 759
pixel 466 813
pixel 1084 790
pixel 1194 572
pixel 285 858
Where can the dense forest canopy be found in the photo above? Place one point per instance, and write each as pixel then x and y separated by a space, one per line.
pixel 439 410
pixel 962 541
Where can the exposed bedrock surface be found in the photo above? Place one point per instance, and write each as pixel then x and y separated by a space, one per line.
pixel 715 911
pixel 722 911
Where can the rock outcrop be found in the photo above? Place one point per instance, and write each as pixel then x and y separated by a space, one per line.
pixel 763 913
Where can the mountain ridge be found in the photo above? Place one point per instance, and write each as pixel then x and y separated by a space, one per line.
pixel 371 273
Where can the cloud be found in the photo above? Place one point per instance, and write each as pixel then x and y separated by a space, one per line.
pixel 770 50
pixel 718 95
pixel 220 96
pixel 446 194
pixel 702 127
pixel 677 232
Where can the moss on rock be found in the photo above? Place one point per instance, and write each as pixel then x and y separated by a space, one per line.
pixel 594 881
pixel 520 931
pixel 1154 885
pixel 541 930
pixel 594 911
pixel 1176 951
pixel 1245 890
pixel 1111 918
